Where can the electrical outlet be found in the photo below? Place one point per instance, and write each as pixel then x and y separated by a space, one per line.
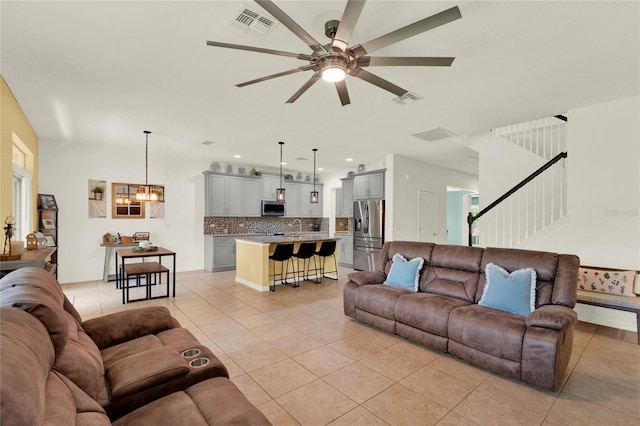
pixel 241 225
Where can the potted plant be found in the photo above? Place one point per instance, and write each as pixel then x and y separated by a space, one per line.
pixel 97 192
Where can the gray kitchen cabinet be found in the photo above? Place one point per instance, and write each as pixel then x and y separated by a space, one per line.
pixel 219 253
pixel 229 195
pixel 347 198
pixel 270 183
pixel 298 198
pixel 252 197
pixel 345 250
pixel 292 199
pixel 369 185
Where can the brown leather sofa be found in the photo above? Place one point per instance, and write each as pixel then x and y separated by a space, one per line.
pixel 444 313
pixel 131 367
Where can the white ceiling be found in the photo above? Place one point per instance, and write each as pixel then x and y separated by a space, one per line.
pixel 102 72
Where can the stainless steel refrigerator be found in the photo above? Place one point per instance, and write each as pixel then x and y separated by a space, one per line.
pixel 368 233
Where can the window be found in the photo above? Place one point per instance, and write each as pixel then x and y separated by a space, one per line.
pixel 123 202
pixel 21 203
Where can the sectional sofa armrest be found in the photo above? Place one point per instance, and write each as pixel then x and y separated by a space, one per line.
pixel 555 317
pixel 367 277
pixel 123 326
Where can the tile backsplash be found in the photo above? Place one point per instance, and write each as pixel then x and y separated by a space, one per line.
pixel 344 224
pixel 261 225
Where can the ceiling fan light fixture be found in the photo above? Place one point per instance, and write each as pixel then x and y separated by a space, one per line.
pixel 334 70
pixel 333 74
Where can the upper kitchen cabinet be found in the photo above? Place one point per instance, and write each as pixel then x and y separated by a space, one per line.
pixel 347 198
pixel 369 185
pixel 298 199
pixel 270 183
pixel 252 197
pixel 229 195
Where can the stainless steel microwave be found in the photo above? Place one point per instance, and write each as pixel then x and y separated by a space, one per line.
pixel 273 208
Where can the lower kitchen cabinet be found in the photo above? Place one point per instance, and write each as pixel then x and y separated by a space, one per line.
pixel 345 250
pixel 219 253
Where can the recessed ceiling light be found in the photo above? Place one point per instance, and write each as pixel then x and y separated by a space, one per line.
pixel 237 156
pixel 284 163
pixel 320 169
pixel 348 159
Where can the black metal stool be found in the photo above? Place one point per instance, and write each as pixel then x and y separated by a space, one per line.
pixel 306 252
pixel 327 248
pixel 282 253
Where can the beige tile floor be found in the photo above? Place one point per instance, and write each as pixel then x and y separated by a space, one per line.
pixel 296 356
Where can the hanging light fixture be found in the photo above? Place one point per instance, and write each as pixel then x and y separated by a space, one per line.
pixel 280 191
pixel 148 192
pixel 314 193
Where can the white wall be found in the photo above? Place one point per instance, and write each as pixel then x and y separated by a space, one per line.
pixel 405 178
pixel 603 173
pixel 502 165
pixel 65 169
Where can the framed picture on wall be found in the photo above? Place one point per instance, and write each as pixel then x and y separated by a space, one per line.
pixel 47 202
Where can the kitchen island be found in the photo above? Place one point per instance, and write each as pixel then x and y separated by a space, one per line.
pixel 252 257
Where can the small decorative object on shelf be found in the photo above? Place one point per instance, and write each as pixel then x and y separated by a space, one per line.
pixel 8 234
pixel 36 241
pixel 108 239
pixel 47 202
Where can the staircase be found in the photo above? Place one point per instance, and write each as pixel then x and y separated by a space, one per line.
pixel 537 203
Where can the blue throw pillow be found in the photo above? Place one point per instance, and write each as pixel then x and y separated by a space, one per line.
pixel 512 292
pixel 404 273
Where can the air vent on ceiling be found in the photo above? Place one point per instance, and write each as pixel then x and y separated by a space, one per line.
pixel 407 98
pixel 434 134
pixel 253 22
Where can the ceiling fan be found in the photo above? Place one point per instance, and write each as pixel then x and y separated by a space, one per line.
pixel 335 60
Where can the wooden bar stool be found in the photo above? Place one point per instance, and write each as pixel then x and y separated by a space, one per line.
pixel 282 254
pixel 306 252
pixel 327 248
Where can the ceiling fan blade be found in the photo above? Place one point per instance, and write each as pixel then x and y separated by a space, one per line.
pixel 377 81
pixel 280 74
pixel 259 50
pixel 410 30
pixel 304 87
pixel 348 22
pixel 342 92
pixel 404 61
pixel 285 20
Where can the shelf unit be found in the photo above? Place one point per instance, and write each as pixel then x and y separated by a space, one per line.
pixel 48 213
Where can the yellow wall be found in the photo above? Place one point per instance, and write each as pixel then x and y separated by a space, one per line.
pixel 13 121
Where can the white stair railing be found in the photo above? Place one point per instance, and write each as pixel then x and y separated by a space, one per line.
pixel 537 204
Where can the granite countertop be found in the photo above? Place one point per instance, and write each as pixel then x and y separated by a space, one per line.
pixel 272 239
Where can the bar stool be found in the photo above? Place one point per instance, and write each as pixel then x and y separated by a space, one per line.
pixel 306 252
pixel 327 248
pixel 282 253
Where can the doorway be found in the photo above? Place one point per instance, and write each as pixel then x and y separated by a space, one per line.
pixel 459 204
pixel 428 217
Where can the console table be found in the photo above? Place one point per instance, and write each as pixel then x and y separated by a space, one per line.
pixel 37 258
pixel 108 253
pixel 124 254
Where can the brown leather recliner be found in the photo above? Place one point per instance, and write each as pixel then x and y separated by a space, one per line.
pixel 123 360
pixel 33 392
